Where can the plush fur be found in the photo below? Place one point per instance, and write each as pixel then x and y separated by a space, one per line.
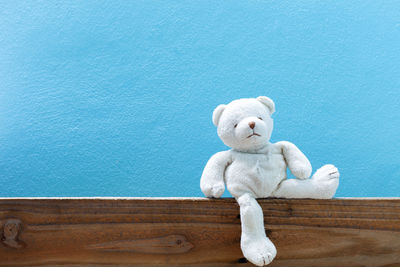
pixel 255 168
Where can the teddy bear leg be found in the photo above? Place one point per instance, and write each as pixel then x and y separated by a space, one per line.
pixel 255 245
pixel 322 185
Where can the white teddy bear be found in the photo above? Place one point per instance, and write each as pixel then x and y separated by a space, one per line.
pixel 255 168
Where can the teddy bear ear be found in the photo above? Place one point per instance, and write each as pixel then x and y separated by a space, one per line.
pixel 217 114
pixel 267 102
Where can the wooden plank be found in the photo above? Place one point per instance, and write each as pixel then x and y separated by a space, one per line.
pixel 196 232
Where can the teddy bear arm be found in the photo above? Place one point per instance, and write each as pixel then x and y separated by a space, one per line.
pixel 212 179
pixel 297 162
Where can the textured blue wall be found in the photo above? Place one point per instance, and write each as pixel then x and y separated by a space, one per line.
pixel 114 98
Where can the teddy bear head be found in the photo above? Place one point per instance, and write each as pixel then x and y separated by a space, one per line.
pixel 245 124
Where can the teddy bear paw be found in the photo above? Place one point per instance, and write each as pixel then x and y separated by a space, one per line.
pixel 259 252
pixel 301 171
pixel 215 190
pixel 326 181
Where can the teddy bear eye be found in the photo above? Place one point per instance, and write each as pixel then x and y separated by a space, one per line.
pixel 260 118
pixel 234 126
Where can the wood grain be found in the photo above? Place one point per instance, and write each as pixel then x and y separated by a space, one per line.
pixel 195 232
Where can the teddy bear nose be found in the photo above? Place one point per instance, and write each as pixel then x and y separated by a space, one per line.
pixel 252 124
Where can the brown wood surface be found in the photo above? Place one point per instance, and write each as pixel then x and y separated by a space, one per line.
pixel 195 232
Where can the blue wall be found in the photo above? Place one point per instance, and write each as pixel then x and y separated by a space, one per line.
pixel 114 98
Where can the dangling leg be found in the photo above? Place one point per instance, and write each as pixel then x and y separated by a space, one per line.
pixel 322 185
pixel 256 246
